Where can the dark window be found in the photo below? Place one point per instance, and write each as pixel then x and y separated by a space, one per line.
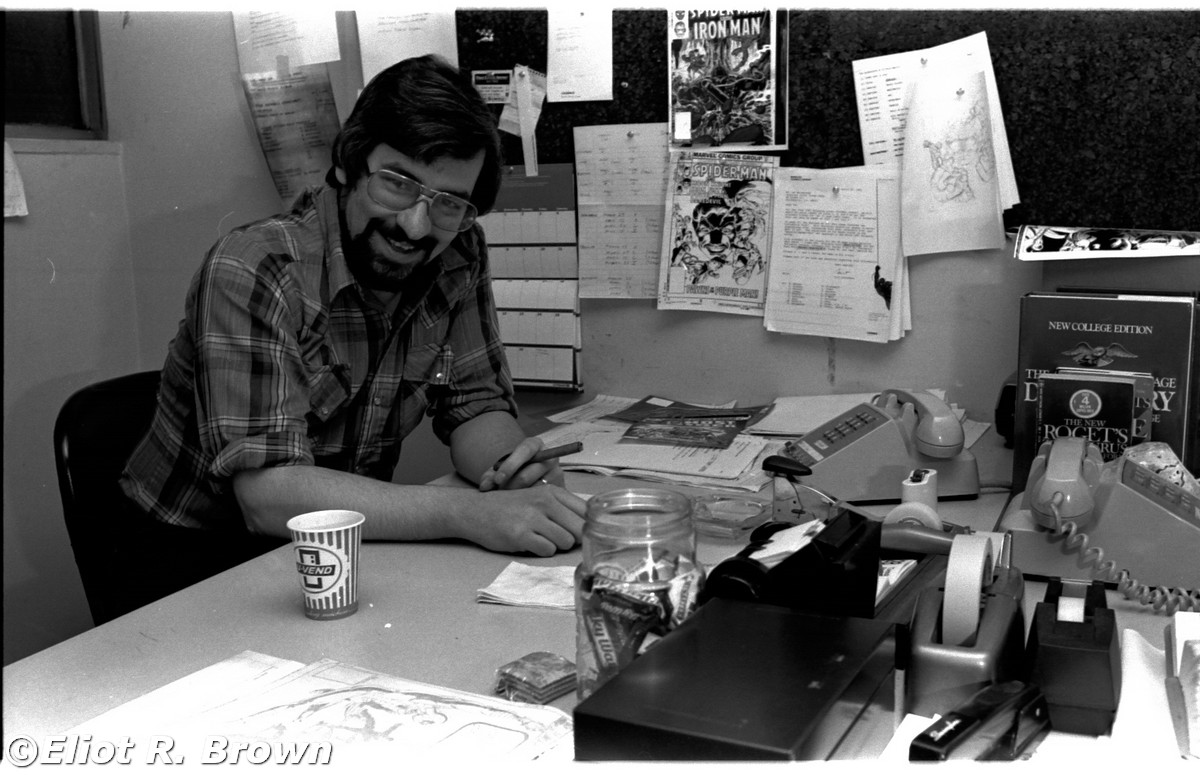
pixel 52 74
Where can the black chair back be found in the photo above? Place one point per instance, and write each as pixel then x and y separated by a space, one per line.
pixel 94 435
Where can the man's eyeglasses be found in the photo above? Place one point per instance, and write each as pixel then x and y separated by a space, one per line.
pixel 399 192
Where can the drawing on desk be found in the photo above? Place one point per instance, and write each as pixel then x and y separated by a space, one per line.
pixel 331 701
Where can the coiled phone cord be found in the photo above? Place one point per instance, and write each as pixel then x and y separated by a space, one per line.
pixel 1163 599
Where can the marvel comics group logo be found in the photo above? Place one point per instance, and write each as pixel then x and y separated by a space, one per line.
pixel 1085 404
pixel 319 568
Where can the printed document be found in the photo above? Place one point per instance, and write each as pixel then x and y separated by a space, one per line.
pixel 836 266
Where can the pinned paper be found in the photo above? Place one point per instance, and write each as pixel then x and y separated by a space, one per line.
pixel 523 110
pixel 386 38
pixel 296 121
pixel 303 38
pixel 950 181
pixel 14 189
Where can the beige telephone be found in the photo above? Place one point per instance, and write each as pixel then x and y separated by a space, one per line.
pixel 864 454
pixel 1083 519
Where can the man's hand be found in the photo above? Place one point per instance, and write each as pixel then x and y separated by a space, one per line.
pixel 541 520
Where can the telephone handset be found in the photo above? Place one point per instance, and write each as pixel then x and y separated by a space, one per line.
pixel 1062 479
pixel 1131 515
pixel 928 421
pixel 864 454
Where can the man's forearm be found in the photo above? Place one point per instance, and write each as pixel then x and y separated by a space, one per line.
pixel 478 443
pixel 269 497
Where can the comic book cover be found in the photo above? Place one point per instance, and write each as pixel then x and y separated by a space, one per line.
pixel 716 232
pixel 728 81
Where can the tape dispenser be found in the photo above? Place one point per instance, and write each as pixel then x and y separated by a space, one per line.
pixel 968 633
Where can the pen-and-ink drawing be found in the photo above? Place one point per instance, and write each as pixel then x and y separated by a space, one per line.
pixel 717 233
pixel 722 67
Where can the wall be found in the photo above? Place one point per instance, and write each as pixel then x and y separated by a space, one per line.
pixel 69 319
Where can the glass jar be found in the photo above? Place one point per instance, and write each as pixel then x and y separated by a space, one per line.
pixel 637 581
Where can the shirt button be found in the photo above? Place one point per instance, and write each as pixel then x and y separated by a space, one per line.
pixel 440 374
pixel 376 401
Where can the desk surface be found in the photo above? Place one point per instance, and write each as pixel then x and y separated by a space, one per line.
pixel 418 619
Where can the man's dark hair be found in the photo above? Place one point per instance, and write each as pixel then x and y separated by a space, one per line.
pixel 426 109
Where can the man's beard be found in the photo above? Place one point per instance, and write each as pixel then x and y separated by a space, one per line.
pixel 380 272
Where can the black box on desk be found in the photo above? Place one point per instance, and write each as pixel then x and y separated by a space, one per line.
pixel 740 681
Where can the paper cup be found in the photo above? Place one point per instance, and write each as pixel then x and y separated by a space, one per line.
pixel 326 545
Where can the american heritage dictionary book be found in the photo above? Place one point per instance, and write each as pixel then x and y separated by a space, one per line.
pixel 1136 332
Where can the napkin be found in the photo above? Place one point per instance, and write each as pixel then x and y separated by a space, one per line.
pixel 533 586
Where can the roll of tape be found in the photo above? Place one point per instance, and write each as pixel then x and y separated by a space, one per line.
pixel 918 513
pixel 968 571
pixel 1070 609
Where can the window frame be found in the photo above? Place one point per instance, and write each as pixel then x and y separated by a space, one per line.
pixel 91 89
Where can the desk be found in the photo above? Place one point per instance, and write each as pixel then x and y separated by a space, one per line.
pixel 417 619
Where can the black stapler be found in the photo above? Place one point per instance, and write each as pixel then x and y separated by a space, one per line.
pixel 1077 663
pixel 999 723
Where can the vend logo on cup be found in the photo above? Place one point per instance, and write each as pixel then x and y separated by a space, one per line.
pixel 319 568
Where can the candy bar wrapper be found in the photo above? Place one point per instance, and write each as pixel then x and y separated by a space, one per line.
pixel 537 677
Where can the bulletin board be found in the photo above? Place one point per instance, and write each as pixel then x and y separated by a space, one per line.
pixel 1102 108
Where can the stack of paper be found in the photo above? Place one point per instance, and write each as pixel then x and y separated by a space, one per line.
pixel 606 452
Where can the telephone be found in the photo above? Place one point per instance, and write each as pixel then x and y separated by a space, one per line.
pixel 1078 510
pixel 864 454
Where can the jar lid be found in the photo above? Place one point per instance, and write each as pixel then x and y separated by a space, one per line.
pixel 726 516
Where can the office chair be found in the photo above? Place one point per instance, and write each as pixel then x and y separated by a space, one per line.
pixel 96 431
pixel 94 435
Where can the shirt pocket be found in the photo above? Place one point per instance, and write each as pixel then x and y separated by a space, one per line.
pixel 328 389
pixel 429 364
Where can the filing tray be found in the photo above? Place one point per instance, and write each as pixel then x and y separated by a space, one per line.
pixel 741 680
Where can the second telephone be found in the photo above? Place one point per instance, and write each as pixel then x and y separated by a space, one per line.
pixel 1081 518
pixel 864 454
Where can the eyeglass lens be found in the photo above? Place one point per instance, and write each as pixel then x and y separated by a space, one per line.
pixel 397 192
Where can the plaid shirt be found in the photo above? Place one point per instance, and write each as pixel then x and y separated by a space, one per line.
pixel 281 360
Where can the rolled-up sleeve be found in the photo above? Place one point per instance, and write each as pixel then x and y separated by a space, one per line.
pixel 252 390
